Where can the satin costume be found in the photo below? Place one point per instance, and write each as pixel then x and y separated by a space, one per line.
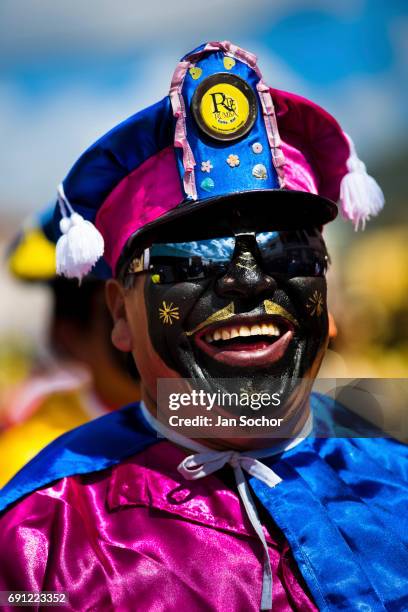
pixel 103 514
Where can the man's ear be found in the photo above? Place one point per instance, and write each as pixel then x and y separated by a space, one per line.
pixel 121 333
pixel 332 327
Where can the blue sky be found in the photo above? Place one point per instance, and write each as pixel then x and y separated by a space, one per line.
pixel 329 48
pixel 70 70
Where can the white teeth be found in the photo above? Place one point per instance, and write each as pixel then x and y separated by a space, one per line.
pixel 273 331
pixel 263 329
pixel 234 333
pixel 244 331
pixel 217 334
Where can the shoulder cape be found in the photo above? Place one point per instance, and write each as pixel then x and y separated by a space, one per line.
pixel 342 503
pixel 92 447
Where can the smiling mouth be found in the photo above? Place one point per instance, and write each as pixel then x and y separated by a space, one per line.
pixel 247 341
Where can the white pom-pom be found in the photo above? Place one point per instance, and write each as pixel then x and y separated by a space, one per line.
pixel 81 244
pixel 65 224
pixel 360 195
pixel 79 248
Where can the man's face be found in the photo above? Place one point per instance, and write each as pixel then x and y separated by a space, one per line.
pixel 258 313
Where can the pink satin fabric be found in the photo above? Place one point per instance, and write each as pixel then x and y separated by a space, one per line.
pixel 315 147
pixel 298 172
pixel 147 193
pixel 139 537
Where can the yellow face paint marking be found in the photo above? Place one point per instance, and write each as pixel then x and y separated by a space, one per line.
pixel 274 309
pixel 316 304
pixel 229 311
pixel 216 317
pixel 168 313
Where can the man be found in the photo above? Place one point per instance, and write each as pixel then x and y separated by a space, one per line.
pixel 208 207
pixel 80 375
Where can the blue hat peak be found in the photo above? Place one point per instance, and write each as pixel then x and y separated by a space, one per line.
pixel 226 136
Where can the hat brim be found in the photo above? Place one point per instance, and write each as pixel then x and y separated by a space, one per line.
pixel 258 211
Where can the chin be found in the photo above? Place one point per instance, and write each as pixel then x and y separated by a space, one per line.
pixel 289 371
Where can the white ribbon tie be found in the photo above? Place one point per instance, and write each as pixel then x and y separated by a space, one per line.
pixel 205 462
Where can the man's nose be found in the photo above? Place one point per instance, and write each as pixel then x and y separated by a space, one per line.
pixel 245 277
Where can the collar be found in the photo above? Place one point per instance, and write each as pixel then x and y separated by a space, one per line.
pixel 205 462
pixel 150 479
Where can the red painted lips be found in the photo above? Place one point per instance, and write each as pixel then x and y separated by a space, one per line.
pixel 246 341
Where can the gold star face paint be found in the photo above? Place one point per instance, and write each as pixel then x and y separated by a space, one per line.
pixel 168 313
pixel 315 304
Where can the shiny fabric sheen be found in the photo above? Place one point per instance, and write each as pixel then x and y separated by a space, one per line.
pixel 342 506
pixel 138 537
pixel 148 192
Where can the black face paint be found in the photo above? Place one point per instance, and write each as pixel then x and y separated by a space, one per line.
pixel 183 315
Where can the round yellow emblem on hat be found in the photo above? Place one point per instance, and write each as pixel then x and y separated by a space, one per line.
pixel 224 106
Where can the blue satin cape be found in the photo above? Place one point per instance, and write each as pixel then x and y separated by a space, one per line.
pixel 342 503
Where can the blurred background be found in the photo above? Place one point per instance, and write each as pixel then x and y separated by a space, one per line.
pixel 72 70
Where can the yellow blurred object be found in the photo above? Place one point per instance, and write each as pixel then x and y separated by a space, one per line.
pixel 33 258
pixel 372 305
pixel 57 414
pixel 15 366
pixel 382 270
pixel 42 408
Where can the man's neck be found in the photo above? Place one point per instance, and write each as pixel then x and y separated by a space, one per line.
pixel 298 420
